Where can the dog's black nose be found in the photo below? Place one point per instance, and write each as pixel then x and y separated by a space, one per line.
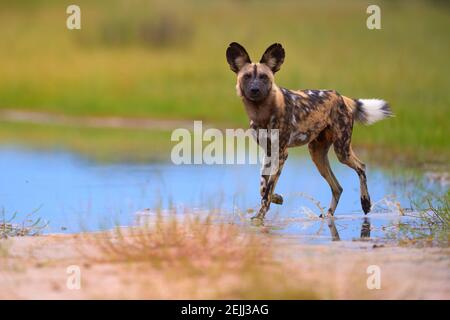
pixel 254 90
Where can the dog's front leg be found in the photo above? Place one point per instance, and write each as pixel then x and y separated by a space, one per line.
pixel 276 198
pixel 270 173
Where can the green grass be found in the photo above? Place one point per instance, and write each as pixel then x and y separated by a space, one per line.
pixel 130 60
pixel 430 225
pixel 99 144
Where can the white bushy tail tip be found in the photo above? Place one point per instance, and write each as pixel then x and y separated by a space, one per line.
pixel 369 111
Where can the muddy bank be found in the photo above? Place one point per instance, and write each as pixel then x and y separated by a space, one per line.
pixel 217 263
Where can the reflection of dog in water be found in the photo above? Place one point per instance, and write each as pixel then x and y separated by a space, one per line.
pixel 365 229
pixel 319 118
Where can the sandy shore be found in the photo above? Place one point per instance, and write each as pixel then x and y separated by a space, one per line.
pixel 37 268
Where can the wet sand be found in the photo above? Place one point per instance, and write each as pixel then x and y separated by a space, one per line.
pixel 36 268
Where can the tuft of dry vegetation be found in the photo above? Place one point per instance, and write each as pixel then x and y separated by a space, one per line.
pixel 29 226
pixel 431 222
pixel 220 258
pixel 200 257
pixel 175 241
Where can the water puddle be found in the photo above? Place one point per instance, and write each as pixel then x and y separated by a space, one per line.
pixel 75 194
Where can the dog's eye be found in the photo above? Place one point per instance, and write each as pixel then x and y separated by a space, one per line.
pixel 263 76
pixel 247 76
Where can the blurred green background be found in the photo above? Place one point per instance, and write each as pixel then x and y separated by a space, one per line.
pixel 166 60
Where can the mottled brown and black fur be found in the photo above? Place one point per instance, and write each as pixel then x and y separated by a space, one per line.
pixel 318 118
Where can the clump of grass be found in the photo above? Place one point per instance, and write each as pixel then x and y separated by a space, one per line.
pixel 432 223
pixel 426 224
pixel 235 263
pixel 29 226
pixel 192 241
pixel 437 212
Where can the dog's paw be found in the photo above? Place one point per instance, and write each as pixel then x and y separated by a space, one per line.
pixel 329 214
pixel 365 204
pixel 277 199
pixel 257 220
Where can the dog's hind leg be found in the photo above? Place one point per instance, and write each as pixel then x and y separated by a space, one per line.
pixel 349 158
pixel 342 118
pixel 318 149
pixel 345 154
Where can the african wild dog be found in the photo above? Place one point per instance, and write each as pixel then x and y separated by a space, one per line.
pixel 319 118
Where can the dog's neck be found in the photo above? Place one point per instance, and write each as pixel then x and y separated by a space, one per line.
pixel 260 112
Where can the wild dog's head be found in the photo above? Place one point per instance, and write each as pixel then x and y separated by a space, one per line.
pixel 255 80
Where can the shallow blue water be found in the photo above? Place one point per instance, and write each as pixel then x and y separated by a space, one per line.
pixel 75 194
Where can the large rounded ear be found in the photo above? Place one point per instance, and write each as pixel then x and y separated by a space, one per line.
pixel 273 57
pixel 237 57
